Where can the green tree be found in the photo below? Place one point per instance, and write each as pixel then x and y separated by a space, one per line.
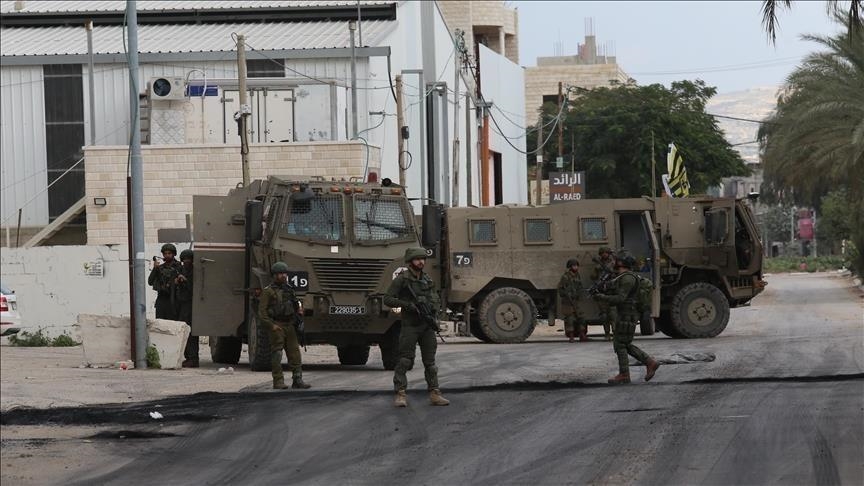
pixel 814 141
pixel 608 132
pixel 851 17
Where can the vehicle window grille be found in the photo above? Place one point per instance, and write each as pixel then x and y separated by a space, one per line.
pixel 538 231
pixel 379 218
pixel 317 218
pixel 593 229
pixel 483 231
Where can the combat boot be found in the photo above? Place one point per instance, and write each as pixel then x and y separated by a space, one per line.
pixel 651 368
pixel 190 363
pixel 436 399
pixel 401 399
pixel 279 384
pixel 583 336
pixel 299 384
pixel 570 336
pixel 619 379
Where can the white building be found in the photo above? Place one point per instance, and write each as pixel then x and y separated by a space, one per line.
pixel 300 50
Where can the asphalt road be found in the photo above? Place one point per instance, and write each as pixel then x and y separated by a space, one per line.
pixel 782 402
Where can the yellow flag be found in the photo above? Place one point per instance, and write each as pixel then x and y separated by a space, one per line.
pixel 678 185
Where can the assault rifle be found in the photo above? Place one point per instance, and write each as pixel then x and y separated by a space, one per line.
pixel 426 312
pixel 300 327
pixel 602 283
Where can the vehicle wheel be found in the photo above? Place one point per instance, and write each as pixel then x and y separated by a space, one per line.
pixel 259 345
pixel 664 325
pixel 225 349
pixel 699 310
pixel 389 347
pixel 646 324
pixel 477 332
pixel 353 355
pixel 507 315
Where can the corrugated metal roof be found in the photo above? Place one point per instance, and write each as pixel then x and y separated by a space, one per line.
pixel 54 6
pixel 47 41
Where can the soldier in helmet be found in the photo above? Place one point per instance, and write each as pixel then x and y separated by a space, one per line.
pixel 163 279
pixel 570 289
pixel 604 271
pixel 621 295
pixel 277 310
pixel 184 307
pixel 414 330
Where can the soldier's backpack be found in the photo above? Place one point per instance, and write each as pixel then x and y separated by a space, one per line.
pixel 641 293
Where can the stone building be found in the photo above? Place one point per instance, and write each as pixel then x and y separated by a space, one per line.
pixel 487 22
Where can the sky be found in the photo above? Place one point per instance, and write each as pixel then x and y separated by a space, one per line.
pixel 722 43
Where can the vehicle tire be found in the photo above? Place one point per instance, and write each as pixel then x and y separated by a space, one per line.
pixel 507 315
pixel 354 355
pixel 389 347
pixel 477 332
pixel 699 310
pixel 259 345
pixel 664 325
pixel 225 349
pixel 646 324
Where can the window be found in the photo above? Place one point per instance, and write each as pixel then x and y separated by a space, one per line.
pixel 592 229
pixel 482 232
pixel 318 218
pixel 64 136
pixel 264 68
pixel 380 219
pixel 538 232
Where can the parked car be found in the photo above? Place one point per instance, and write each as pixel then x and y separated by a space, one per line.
pixel 10 319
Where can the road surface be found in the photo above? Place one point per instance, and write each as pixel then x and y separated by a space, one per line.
pixel 777 398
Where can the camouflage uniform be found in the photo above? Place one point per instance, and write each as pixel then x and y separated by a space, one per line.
pixel 184 308
pixel 607 312
pixel 162 279
pixel 570 289
pixel 621 296
pixel 277 307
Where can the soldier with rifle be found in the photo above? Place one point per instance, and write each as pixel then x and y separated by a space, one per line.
pixel 281 313
pixel 603 273
pixel 414 292
pixel 163 279
pixel 570 289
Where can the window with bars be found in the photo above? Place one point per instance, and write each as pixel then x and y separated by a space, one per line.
pixel 482 232
pixel 592 229
pixel 538 231
pixel 380 219
pixel 64 136
pixel 318 218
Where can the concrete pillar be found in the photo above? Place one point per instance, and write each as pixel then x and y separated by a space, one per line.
pixel 501 40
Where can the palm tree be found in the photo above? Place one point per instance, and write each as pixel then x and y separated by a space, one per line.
pixel 852 18
pixel 815 139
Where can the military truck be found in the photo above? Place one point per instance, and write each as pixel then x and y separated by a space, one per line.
pixel 503 263
pixel 343 242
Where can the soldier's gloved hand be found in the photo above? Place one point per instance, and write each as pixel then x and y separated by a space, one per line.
pixel 275 328
pixel 411 308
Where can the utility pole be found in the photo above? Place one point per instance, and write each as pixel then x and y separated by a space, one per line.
pixel 538 176
pixel 400 122
pixel 560 125
pixel 468 177
pixel 352 26
pixel 653 169
pixel 242 116
pixel 815 239
pixel 138 290
pixel 457 65
pixel 91 82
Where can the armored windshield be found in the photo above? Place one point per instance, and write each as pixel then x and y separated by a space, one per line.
pixel 315 218
pixel 381 218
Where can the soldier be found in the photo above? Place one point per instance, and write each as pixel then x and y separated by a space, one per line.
pixel 163 279
pixel 604 270
pixel 414 329
pixel 278 308
pixel 621 295
pixel 184 307
pixel 570 289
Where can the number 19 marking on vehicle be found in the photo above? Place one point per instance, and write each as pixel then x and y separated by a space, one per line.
pixel 463 259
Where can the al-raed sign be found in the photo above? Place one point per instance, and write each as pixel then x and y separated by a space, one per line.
pixel 566 186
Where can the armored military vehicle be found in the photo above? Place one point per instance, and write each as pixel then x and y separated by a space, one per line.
pixel 342 240
pixel 503 263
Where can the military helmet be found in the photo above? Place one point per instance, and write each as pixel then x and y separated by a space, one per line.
pixel 412 253
pixel 572 262
pixel 279 267
pixel 186 254
pixel 626 261
pixel 169 247
pixel 604 249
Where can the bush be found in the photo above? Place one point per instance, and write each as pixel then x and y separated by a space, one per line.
pixel 811 264
pixel 153 358
pixel 39 339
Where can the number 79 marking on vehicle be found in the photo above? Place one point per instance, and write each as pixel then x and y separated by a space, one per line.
pixel 463 259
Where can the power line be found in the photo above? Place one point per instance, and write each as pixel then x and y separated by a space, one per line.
pixel 729 67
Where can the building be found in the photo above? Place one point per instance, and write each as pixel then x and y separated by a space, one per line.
pixel 589 68
pixel 490 23
pixel 301 91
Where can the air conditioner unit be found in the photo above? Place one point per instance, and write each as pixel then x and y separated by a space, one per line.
pixel 167 88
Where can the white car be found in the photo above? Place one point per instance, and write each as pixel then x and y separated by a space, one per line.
pixel 10 319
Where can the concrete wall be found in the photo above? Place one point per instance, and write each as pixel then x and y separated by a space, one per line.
pixel 484 17
pixel 543 80
pixel 174 173
pixel 53 284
